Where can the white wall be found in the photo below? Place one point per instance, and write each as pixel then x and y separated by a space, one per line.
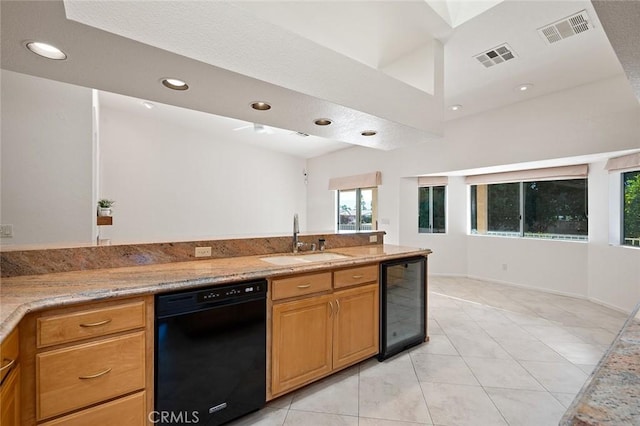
pixel 614 270
pixel 175 183
pixel 46 181
pixel 591 119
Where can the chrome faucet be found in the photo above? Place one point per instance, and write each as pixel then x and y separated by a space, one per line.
pixel 296 231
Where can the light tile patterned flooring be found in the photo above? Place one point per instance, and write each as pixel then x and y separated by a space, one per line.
pixel 498 355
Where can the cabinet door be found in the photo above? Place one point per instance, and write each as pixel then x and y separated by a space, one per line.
pixel 10 399
pixel 301 342
pixel 356 325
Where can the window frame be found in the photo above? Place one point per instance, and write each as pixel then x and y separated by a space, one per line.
pixel 430 229
pixel 623 236
pixel 522 214
pixel 358 215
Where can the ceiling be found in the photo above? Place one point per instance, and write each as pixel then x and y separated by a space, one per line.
pixel 310 59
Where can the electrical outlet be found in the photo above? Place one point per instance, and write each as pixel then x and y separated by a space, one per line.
pixel 6 231
pixel 203 251
pixel 373 238
pixel 505 267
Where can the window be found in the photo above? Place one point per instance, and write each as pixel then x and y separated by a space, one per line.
pixel 631 208
pixel 357 209
pixel 554 209
pixel 431 210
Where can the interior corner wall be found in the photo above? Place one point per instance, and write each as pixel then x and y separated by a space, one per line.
pixel 47 166
pixel 449 255
pixel 173 183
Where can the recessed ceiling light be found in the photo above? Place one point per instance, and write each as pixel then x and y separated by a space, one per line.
pixel 46 50
pixel 323 122
pixel 455 107
pixel 174 84
pixel 369 133
pixel 260 106
pixel 148 105
pixel 524 87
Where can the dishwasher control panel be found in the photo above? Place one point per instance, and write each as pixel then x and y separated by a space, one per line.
pixel 226 292
pixel 169 304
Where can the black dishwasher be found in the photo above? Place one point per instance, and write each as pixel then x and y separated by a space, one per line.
pixel 210 354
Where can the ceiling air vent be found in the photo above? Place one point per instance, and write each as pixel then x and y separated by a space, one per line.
pixel 567 27
pixel 495 56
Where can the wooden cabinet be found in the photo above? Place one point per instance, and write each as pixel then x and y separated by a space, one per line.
pixel 300 285
pixel 301 342
pixel 90 364
pixel 313 336
pixel 65 328
pixel 356 324
pixel 129 411
pixel 354 276
pixel 10 381
pixel 78 376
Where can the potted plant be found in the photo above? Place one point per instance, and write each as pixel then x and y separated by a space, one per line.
pixel 104 207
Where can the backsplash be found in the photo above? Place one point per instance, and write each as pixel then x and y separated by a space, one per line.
pixel 35 262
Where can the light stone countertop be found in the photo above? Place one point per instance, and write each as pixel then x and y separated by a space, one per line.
pixel 611 395
pixel 23 294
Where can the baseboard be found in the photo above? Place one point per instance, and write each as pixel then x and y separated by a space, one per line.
pixel 608 305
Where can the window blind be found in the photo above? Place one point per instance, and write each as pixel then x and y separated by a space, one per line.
pixel 630 161
pixel 432 180
pixel 367 180
pixel 550 173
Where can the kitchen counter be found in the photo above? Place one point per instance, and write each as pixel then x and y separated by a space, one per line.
pixel 23 294
pixel 611 395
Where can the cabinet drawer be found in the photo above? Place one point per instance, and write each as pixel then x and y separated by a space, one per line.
pixel 83 324
pixel 129 411
pixel 8 354
pixel 355 276
pixel 283 288
pixel 81 375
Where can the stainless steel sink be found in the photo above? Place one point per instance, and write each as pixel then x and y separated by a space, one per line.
pixel 300 259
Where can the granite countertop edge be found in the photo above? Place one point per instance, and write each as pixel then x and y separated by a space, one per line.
pixel 605 398
pixel 22 295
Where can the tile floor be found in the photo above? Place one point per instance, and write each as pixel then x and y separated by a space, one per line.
pixel 498 355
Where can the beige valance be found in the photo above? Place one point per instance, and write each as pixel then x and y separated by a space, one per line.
pixel 367 180
pixel 630 161
pixel 433 180
pixel 550 173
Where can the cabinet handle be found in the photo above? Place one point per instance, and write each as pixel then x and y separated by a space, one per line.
pixel 304 286
pixel 95 324
pixel 93 376
pixel 355 277
pixel 338 305
pixel 11 362
pixel 330 309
